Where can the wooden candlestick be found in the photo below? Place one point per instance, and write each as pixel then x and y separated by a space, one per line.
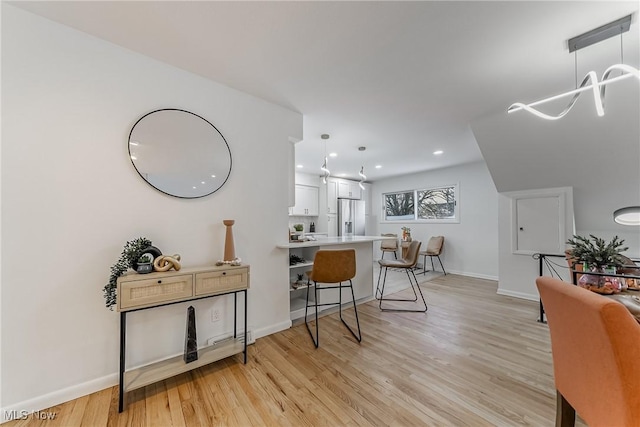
pixel 229 247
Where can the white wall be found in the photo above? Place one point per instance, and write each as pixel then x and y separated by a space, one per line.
pixel 518 272
pixel 471 246
pixel 71 199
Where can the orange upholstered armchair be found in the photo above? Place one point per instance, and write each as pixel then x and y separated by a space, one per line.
pixel 595 343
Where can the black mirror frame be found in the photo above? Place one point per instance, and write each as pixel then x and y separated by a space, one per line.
pixel 193 114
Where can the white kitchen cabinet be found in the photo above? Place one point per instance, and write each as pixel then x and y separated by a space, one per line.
pixel 366 196
pixel 332 196
pixel 349 189
pixel 306 201
pixel 332 225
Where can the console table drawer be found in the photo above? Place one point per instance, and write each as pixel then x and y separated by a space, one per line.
pixel 141 293
pixel 222 281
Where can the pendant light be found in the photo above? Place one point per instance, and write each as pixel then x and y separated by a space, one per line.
pixel 323 168
pixel 590 82
pixel 363 177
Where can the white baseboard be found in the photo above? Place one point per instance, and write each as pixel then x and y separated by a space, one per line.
pixel 59 396
pixel 505 292
pixel 476 275
pixel 521 295
pixel 271 329
pixel 64 395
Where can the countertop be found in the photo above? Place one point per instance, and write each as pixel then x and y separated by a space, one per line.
pixel 327 241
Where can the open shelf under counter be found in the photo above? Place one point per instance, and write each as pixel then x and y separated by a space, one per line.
pixel 298 303
pixel 154 372
pixel 296 310
pixel 363 282
pixel 301 264
pixel 299 288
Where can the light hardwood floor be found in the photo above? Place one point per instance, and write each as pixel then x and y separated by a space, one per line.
pixel 474 359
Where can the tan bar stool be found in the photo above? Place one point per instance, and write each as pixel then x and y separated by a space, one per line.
pixel 332 266
pixel 408 263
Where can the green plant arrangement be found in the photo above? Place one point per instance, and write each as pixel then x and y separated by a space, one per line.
pixel 295 259
pixel 406 233
pixel 298 227
pixel 144 259
pixel 131 253
pixel 596 252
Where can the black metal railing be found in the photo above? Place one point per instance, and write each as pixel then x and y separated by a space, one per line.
pixel 553 268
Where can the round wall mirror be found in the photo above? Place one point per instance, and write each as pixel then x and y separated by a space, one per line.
pixel 179 153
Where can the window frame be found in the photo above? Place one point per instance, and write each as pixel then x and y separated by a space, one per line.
pixel 415 219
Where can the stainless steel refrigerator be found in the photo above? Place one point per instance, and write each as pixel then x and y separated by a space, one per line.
pixel 351 220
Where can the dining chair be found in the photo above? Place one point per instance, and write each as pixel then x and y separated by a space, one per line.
pixel 595 346
pixel 407 264
pixel 332 266
pixel 389 245
pixel 434 249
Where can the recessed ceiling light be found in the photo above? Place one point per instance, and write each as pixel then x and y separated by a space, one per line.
pixel 333 154
pixel 438 152
pixel 299 166
pixel 213 176
pixel 201 182
pixel 194 188
pixel 378 166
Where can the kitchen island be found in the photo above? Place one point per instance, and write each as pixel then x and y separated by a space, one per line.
pixel 304 253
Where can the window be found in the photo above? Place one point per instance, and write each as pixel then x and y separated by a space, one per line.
pixel 437 204
pixel 399 206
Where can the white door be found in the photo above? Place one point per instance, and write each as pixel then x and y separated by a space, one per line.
pixel 538 225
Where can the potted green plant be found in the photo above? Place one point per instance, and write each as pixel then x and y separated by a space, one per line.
pixel 131 252
pixel 406 234
pixel 598 255
pixel 299 281
pixel 298 227
pixel 144 264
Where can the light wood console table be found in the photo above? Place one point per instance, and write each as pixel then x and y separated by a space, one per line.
pixel 145 291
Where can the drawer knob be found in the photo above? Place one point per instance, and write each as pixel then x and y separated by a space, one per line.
pixel 224 273
pixel 159 281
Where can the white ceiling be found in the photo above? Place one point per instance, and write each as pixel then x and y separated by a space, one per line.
pixel 402 78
